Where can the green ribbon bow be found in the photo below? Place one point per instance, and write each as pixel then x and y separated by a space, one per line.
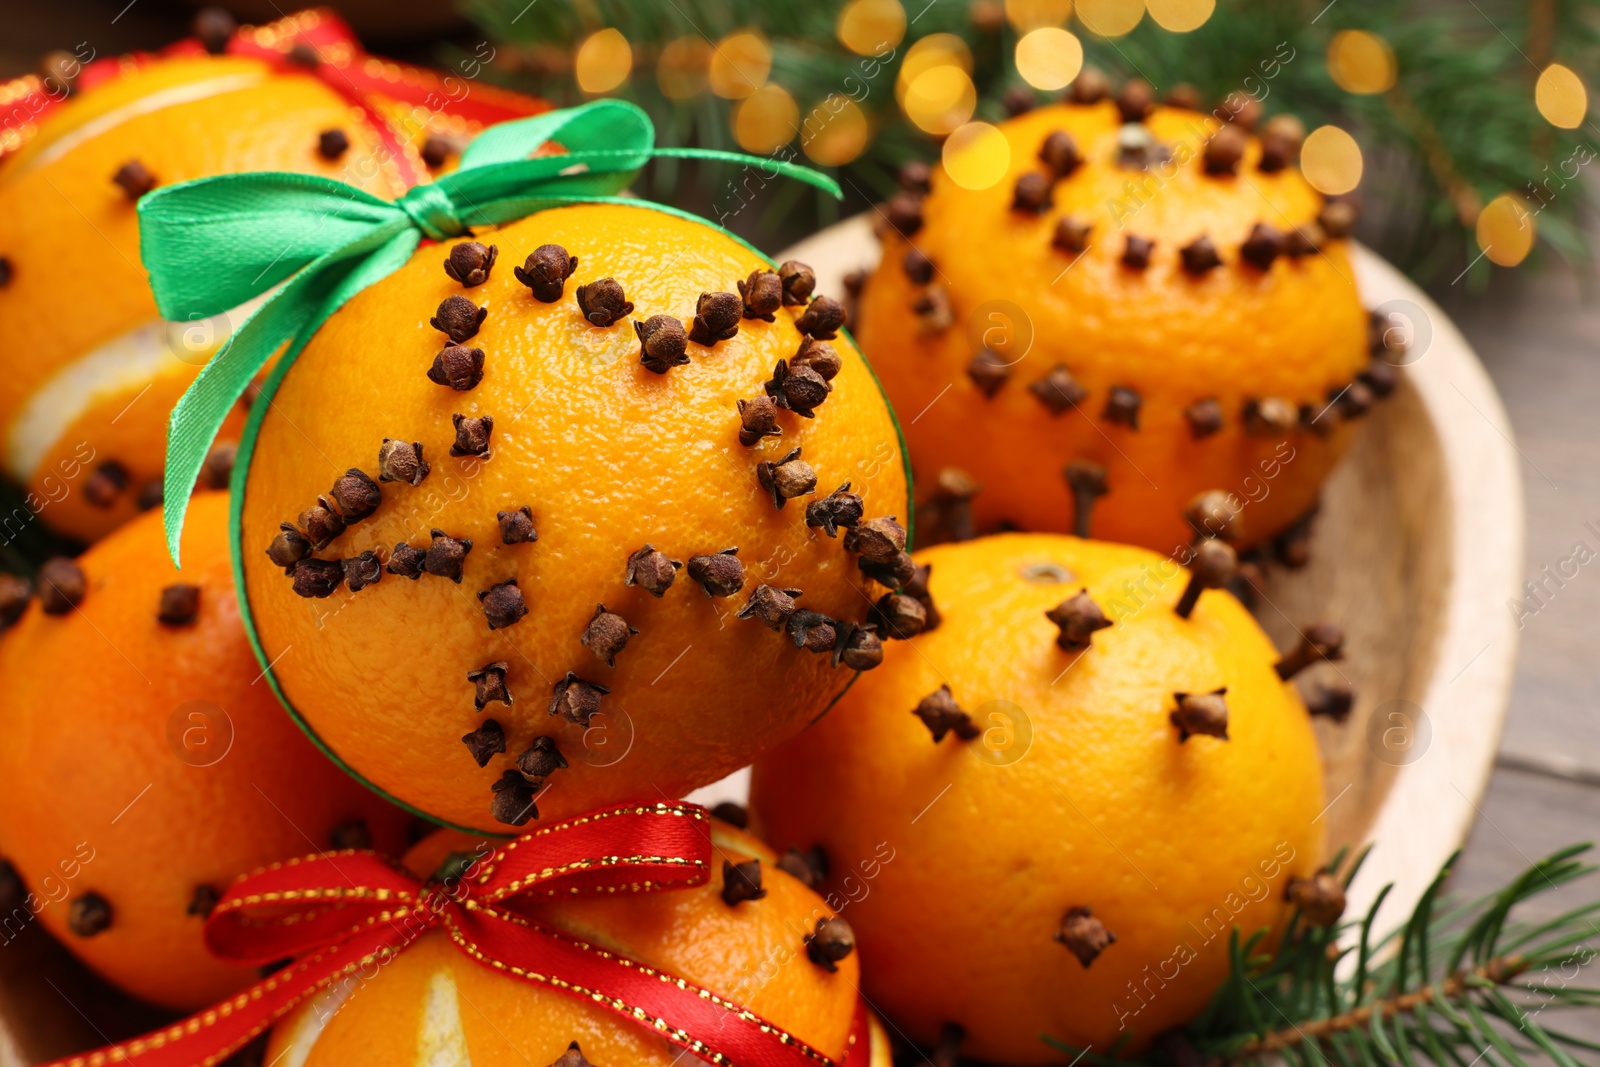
pixel 214 243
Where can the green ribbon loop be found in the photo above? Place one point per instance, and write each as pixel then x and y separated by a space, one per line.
pixel 213 244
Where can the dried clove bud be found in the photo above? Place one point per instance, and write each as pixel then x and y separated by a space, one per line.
pixel 1354 400
pixel 839 508
pixel 106 484
pixel 758 418
pixel 1270 416
pixel 1382 378
pixel 470 262
pixel 797 388
pixel 603 302
pixel 180 604
pixel 606 635
pixel 1071 234
pixel 217 470
pixel 798 281
pixel 651 570
pixel 15 592
pixel 513 800
pixel 151 495
pixel 472 435
pixel 830 942
pixel 790 477
pixel 1078 618
pixel 577 700
pixel 436 151
pixel 489 682
pixel 716 318
pixel 1319 419
pixel 720 575
pixel 1225 149
pixel 812 631
pixel 1201 713
pixel 355 495
pixel 857 647
pixel 203 901
pixel 916 177
pixel 486 741
pixel 516 526
pixel 893 574
pixel 662 343
pixel 820 356
pixel 988 372
pixel 762 293
pixel 1204 418
pixel 446 556
pixel 331 144
pixel 917 589
pixel 1320 641
pixel 902 212
pixel 1136 252
pixel 941 714
pixel 1060 153
pixel 1185 96
pixel 1033 194
pixel 317 577
pixel 877 540
pixel 1320 898
pixel 770 606
pixel 1214 565
pixel 1303 240
pixel 1138 149
pixel 1337 218
pixel 362 571
pixel 134 179
pixel 88 914
pixel 810 868
pixel 405 561
pixel 1242 109
pixel 731 813
pixel 573 1057
pixel 459 367
pixel 1200 255
pixel 741 882
pixel 899 616
pixel 1213 513
pixel 302 54
pixel 1331 698
pixel 541 760
pixel 1089 87
pixel 1281 139
pixel 933 311
pixel 918 267
pixel 1087 481
pixel 1264 245
pixel 1016 100
pixel 502 604
pixel 1084 935
pixel 1058 390
pixel 401 462
pixel 546 271
pixel 62 585
pixel 1135 100
pixel 214 27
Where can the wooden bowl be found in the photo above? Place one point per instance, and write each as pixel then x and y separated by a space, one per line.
pixel 1417 550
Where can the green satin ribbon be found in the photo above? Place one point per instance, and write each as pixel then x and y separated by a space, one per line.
pixel 214 243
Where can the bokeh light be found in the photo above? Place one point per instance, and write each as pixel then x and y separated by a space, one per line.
pixel 740 64
pixel 1561 97
pixel 977 156
pixel 836 132
pixel 934 50
pixel 604 61
pixel 1361 62
pixel 1506 230
pixel 766 120
pixel 1049 58
pixel 683 70
pixel 1110 18
pixel 940 99
pixel 1026 15
pixel 1331 161
pixel 868 27
pixel 1180 16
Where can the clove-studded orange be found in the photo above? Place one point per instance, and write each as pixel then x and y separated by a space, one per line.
pixel 1167 299
pixel 1085 792
pixel 548 605
pixel 743 935
pixel 152 766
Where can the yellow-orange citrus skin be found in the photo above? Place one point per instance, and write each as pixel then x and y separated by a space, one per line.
pixel 609 456
pixel 1079 793
pixel 1295 331
pixel 432 996
pixel 147 761
pixel 101 373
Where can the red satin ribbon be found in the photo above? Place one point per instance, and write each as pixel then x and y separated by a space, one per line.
pixel 345 914
pixel 364 81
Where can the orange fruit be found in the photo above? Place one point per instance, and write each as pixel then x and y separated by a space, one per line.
pixel 432 998
pixel 1062 782
pixel 1018 355
pixel 597 457
pixel 83 416
pixel 149 764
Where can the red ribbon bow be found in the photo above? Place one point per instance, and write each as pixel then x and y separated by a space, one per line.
pixel 343 913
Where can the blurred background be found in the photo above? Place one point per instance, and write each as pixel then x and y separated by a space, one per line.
pixel 1467 122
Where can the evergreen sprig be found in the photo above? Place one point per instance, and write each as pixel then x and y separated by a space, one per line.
pixel 1458 983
